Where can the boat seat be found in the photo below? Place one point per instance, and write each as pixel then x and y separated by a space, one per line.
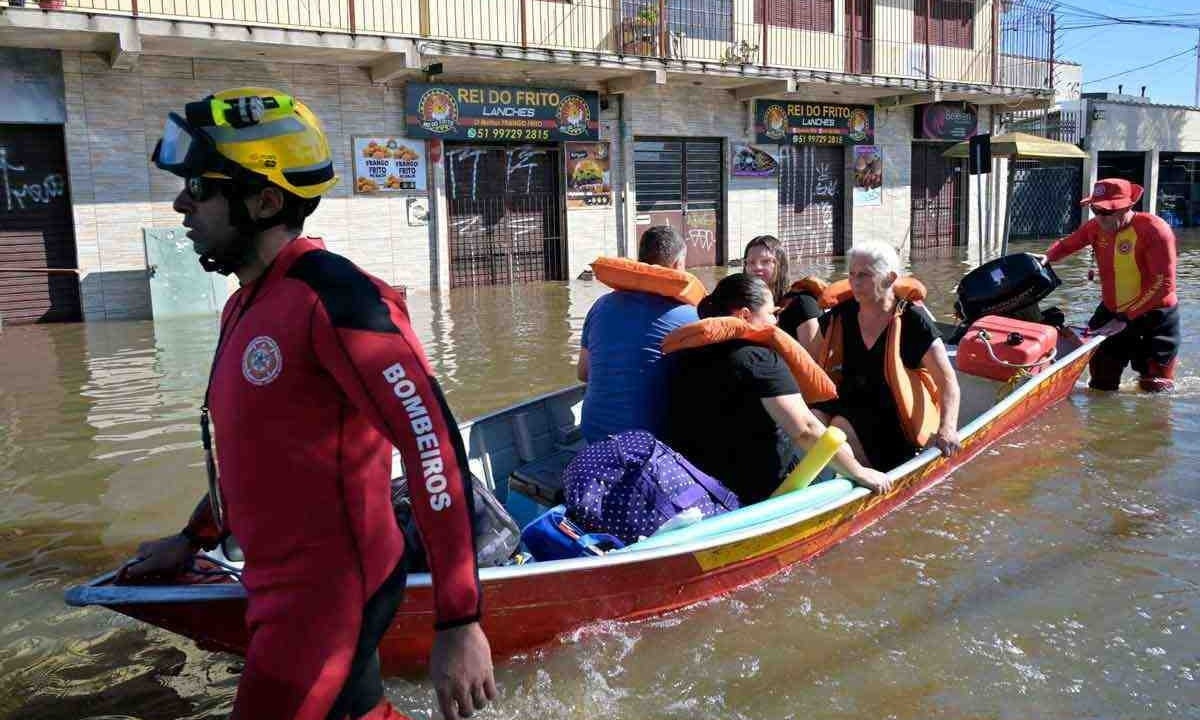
pixel 542 479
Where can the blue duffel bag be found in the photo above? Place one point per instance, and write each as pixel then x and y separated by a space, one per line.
pixel 552 536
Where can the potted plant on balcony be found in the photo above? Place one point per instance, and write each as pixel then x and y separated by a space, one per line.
pixel 641 31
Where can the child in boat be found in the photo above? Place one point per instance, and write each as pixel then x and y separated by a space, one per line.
pixel 734 406
pixel 798 310
pixel 885 372
pixel 620 354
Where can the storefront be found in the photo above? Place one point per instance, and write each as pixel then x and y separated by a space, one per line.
pixel 1179 189
pixel 505 151
pixel 812 139
pixel 37 234
pixel 1129 166
pixel 939 213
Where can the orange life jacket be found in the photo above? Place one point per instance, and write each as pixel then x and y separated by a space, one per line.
pixel 626 274
pixel 811 285
pixel 915 393
pixel 815 384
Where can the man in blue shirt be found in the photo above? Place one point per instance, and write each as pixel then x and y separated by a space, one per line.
pixel 621 357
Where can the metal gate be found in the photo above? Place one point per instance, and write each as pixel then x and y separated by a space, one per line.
pixel 678 183
pixel 937 217
pixel 812 200
pixel 1045 198
pixel 505 211
pixel 36 230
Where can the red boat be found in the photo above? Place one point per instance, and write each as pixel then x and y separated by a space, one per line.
pixel 530 605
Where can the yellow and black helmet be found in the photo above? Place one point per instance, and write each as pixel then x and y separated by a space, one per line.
pixel 249 134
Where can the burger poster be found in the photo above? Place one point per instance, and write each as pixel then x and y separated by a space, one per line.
pixel 388 165
pixel 868 176
pixel 589 180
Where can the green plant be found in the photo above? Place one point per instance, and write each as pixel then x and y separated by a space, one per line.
pixel 647 15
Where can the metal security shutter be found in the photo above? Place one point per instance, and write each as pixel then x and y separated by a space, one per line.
pixel 505 213
pixel 812 200
pixel 36 229
pixel 678 183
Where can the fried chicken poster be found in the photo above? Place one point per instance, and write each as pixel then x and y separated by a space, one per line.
pixel 389 165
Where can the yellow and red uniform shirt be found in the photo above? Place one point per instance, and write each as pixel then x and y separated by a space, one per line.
pixel 1137 265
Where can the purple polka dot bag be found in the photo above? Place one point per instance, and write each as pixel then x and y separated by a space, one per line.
pixel 629 484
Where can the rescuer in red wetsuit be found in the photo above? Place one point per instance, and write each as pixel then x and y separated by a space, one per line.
pixel 1135 252
pixel 317 374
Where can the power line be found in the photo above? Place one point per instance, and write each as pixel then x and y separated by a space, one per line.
pixel 1142 67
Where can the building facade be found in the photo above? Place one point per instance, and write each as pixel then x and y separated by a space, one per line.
pixel 513 142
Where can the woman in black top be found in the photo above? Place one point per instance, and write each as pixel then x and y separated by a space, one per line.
pixel 734 409
pixel 865 407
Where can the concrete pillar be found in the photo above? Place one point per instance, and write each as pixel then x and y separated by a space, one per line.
pixel 1091 168
pixel 439 239
pixel 1150 201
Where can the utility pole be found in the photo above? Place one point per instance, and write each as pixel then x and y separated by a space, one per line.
pixel 1196 98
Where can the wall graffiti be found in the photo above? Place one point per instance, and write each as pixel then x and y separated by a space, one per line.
pixel 17 194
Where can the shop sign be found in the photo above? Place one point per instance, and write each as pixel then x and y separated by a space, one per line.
pixel 589 178
pixel 388 165
pixel 501 113
pixel 801 123
pixel 868 176
pixel 751 161
pixel 946 121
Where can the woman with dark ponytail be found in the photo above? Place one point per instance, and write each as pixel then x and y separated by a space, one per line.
pixel 734 406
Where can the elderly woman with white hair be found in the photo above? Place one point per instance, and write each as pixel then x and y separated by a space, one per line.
pixel 896 388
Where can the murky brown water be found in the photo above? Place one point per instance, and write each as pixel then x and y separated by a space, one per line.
pixel 1056 576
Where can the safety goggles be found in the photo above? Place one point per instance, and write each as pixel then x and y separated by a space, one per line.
pixel 189 153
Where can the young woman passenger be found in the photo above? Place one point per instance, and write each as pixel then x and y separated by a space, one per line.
pixel 766 258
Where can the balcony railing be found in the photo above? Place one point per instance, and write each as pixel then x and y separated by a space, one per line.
pixel 1064 125
pixel 992 42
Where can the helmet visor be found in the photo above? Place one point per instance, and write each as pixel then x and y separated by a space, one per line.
pixel 179 150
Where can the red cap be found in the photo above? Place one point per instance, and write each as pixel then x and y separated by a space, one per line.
pixel 1114 194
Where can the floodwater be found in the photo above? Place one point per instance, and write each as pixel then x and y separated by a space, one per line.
pixel 1058 575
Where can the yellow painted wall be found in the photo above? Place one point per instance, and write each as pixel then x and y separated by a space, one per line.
pixel 586 25
pixel 897 54
pixel 400 17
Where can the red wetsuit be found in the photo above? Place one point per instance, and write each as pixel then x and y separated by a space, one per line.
pixel 317 375
pixel 1137 279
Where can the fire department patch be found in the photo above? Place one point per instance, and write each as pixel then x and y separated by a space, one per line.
pixel 1125 247
pixel 262 362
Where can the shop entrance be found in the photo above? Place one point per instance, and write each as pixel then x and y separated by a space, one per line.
pixel 506 215
pixel 937 212
pixel 812 200
pixel 1179 189
pixel 678 183
pixel 36 227
pixel 1129 166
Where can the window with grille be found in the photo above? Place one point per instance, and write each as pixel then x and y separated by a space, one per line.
pixel 951 23
pixel 798 14
pixel 699 19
